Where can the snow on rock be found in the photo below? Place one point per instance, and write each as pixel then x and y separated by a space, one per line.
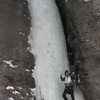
pixel 98 22
pixel 78 94
pixel 22 97
pixel 27 94
pixel 28 48
pixel 10 88
pixel 33 93
pixel 49 48
pixel 10 64
pixel 20 88
pixel 20 33
pixel 27 70
pixel 33 89
pixel 10 98
pixel 15 92
pixel 86 0
pixel 66 0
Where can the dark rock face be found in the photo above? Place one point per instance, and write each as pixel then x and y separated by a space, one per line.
pixel 81 22
pixel 14 31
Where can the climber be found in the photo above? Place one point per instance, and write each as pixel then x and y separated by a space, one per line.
pixel 68 85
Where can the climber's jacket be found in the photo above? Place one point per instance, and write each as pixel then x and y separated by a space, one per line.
pixel 67 79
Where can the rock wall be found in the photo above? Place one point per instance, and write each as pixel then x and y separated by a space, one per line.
pixel 81 21
pixel 16 62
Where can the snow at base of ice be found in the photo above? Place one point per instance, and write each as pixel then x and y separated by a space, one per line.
pixel 49 48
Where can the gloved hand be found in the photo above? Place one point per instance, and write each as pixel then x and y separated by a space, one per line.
pixel 61 74
pixel 73 73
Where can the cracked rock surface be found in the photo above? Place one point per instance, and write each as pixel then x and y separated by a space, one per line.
pixel 16 62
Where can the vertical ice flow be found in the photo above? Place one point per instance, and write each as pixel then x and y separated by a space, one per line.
pixel 48 46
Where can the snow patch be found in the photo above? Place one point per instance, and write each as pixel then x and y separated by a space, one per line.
pixel 15 92
pixel 33 89
pixel 10 88
pixel 98 22
pixel 20 33
pixel 10 64
pixel 66 0
pixel 22 97
pixel 29 48
pixel 27 94
pixel 78 94
pixel 87 40
pixel 86 0
pixel 10 98
pixel 27 70
pixel 20 88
